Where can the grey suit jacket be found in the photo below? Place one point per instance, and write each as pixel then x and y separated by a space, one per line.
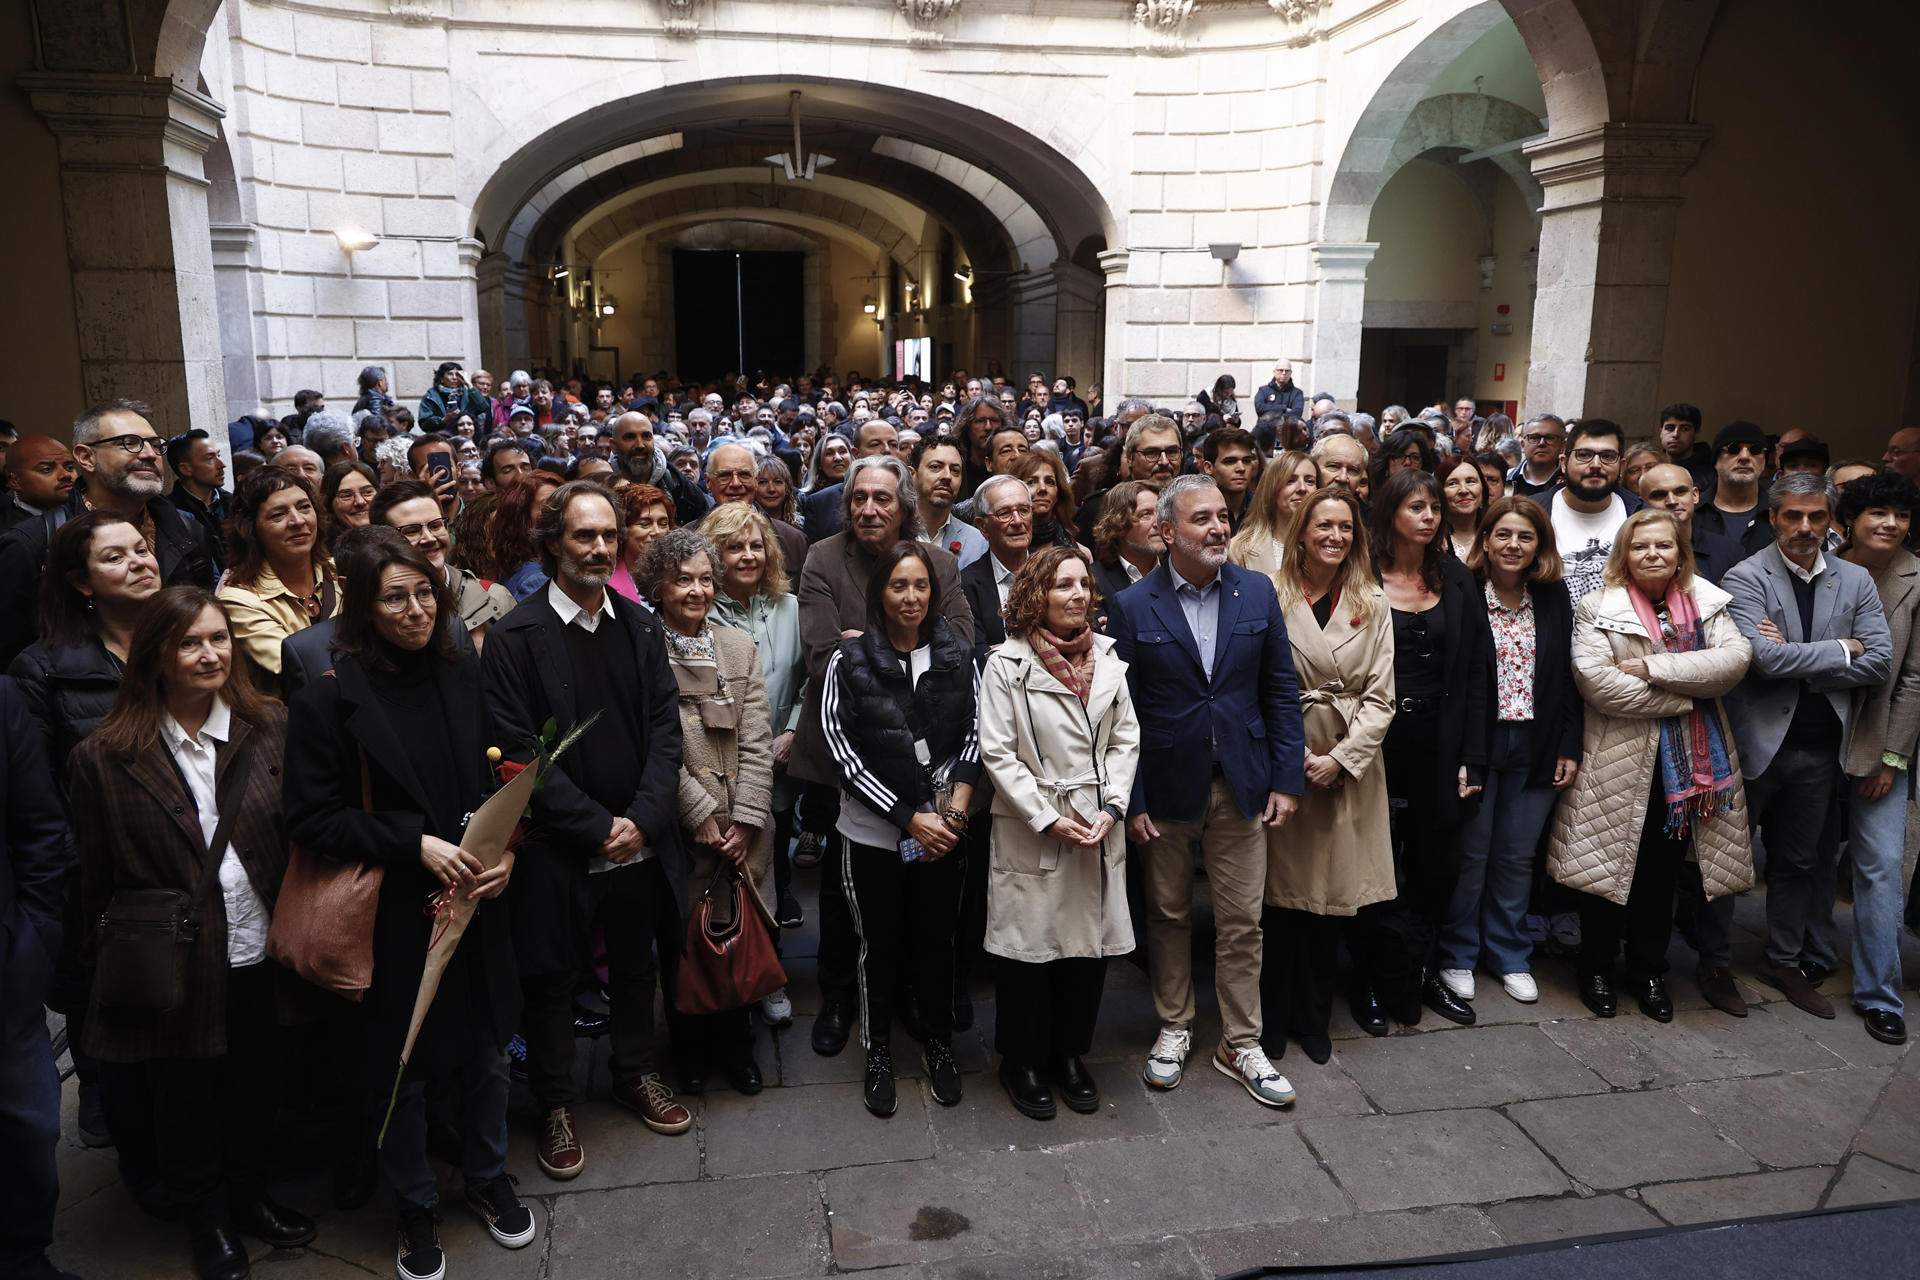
pixel 1845 606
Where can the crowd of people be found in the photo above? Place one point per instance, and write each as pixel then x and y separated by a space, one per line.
pixel 1426 695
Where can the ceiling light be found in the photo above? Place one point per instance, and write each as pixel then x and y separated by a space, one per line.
pixel 353 239
pixel 559 273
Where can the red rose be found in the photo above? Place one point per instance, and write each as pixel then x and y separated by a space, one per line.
pixel 508 770
pixel 954 546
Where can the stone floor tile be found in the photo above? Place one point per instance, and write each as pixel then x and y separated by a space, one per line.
pixel 986 1121
pixel 1207 1100
pixel 1467 1067
pixel 1625 1139
pixel 1869 1181
pixel 1638 1053
pixel 817 1127
pixel 997 1202
pixel 1368 1237
pixel 691 1231
pixel 1203 1182
pixel 1847 1036
pixel 1432 1158
pixel 1752 1195
pixel 1568 1218
pixel 1791 1120
pixel 107 1237
pixel 1168 1258
pixel 1892 1132
pixel 620 1151
pixel 365 1240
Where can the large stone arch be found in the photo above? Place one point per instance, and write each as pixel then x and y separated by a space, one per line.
pixel 735 202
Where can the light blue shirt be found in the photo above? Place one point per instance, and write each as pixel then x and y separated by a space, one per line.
pixel 1201 605
pixel 972 544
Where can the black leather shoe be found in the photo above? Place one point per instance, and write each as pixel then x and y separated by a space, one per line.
pixel 831 1028
pixel 1076 1086
pixel 1365 1005
pixel 1317 1047
pixel 744 1075
pixel 277 1225
pixel 878 1092
pixel 589 1024
pixel 943 1073
pixel 1596 992
pixel 1815 972
pixel 1887 1028
pixel 690 1074
pixel 1027 1092
pixel 1651 994
pixel 218 1255
pixel 355 1178
pixel 1440 998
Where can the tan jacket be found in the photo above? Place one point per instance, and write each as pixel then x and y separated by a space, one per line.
pixel 1047 900
pixel 1336 855
pixel 1596 826
pixel 1886 717
pixel 265 614
pixel 727 774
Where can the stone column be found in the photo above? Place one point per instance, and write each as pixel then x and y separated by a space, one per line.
pixel 813 318
pixel 1113 264
pixel 1606 260
pixel 468 253
pixel 1034 295
pixel 134 190
pixel 1077 336
pixel 993 314
pixel 501 289
pixel 236 252
pixel 1339 300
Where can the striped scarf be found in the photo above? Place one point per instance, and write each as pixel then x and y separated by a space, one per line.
pixel 1696 772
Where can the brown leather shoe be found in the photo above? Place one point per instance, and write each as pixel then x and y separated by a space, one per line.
pixel 561 1156
pixel 1799 992
pixel 649 1098
pixel 1717 986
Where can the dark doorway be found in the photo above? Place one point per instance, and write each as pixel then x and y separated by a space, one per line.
pixel 715 335
pixel 1413 367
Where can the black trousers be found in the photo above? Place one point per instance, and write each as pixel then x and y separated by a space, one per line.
pixel 1645 923
pixel 1392 942
pixel 975 850
pixel 213 1117
pixel 1298 961
pixel 839 947
pixel 1045 1012
pixel 782 853
pixel 902 911
pixel 634 907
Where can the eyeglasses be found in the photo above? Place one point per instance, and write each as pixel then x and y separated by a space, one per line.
pixel 1018 510
pixel 1541 437
pixel 412 532
pixel 1605 456
pixel 729 477
pixel 1164 453
pixel 398 602
pixel 135 445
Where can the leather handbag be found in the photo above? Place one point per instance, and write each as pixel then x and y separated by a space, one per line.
pixel 322 926
pixel 147 937
pixel 729 963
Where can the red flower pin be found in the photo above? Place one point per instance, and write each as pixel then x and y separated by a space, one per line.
pixel 954 546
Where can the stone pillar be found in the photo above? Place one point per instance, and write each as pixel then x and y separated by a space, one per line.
pixel 501 290
pixel 236 255
pixel 1034 295
pixel 1339 300
pixel 1113 264
pixel 993 316
pixel 468 253
pixel 1077 337
pixel 813 318
pixel 1606 259
pixel 134 191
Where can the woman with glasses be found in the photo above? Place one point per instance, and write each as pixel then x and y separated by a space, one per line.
pixel 1435 753
pixel 282 577
pixel 411 509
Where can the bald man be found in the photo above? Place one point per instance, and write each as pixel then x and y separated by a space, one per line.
pixel 1670 487
pixel 40 472
pixel 730 472
pixel 1903 453
pixel 303 462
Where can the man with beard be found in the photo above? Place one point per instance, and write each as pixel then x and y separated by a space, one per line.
pixel 1222 752
pixel 977 420
pixel 634 454
pixel 880 508
pixel 603 847
pixel 1586 512
pixel 118 454
pixel 1738 509
pixel 937 466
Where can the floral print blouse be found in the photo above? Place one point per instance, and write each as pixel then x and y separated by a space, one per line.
pixel 1513 655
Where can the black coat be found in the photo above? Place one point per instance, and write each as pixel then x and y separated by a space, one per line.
pixel 879 713
pixel 1467 661
pixel 821 513
pixel 36 861
pixel 528 679
pixel 983 601
pixel 334 725
pixel 179 544
pixel 1558 711
pixel 1714 553
pixel 69 689
pixel 1757 537
pixel 307 654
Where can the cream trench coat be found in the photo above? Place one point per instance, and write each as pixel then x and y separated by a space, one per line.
pixel 1336 855
pixel 1047 900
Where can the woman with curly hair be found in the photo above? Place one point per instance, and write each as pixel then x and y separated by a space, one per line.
pixel 281 580
pixel 648 512
pixel 510 532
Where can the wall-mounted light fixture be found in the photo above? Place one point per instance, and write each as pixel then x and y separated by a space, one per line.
pixel 963 275
pixel 1224 252
pixel 868 305
pixel 608 304
pixel 559 273
pixel 353 239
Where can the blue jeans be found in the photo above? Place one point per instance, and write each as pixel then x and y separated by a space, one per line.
pixel 483 1124
pixel 1496 861
pixel 1879 892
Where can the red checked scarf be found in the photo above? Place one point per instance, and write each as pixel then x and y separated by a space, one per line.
pixel 1070 661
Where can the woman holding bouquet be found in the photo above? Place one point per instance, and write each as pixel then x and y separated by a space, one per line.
pixel 383 764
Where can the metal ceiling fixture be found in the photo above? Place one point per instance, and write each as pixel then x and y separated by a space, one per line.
pixel 798 165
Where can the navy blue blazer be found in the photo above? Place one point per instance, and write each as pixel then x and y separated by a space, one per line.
pixel 1248 714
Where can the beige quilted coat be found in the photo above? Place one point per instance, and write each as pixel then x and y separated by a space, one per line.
pixel 1596 828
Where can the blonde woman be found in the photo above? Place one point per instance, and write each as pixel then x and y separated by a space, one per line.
pixel 1336 856
pixel 1284 485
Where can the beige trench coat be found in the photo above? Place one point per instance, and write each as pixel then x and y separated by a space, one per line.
pixel 1596 826
pixel 1047 900
pixel 728 774
pixel 1336 855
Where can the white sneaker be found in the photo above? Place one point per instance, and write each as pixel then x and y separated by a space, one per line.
pixel 1250 1067
pixel 1167 1060
pixel 1521 987
pixel 1458 981
pixel 777 1009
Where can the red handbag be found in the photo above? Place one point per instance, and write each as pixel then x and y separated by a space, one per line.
pixel 322 926
pixel 728 963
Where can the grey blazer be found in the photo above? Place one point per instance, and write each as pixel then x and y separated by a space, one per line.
pixel 1845 606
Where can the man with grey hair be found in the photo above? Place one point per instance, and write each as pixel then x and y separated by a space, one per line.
pixel 303 462
pixel 1003 511
pixel 330 436
pixel 823 514
pixel 118 454
pixel 881 507
pixel 1818 633
pixel 1343 461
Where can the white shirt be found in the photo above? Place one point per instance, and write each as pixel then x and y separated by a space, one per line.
pixel 1808 575
pixel 246 914
pixel 571 613
pixel 1002 580
pixel 1585 540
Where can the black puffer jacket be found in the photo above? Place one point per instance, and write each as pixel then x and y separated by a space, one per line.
pixel 69 689
pixel 873 714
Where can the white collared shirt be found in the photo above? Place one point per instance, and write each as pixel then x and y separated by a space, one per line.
pixel 571 613
pixel 1002 579
pixel 195 754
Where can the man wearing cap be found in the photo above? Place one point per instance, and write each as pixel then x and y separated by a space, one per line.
pixel 1280 395
pixel 1737 508
pixel 1799 451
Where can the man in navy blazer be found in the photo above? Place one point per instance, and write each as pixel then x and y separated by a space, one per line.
pixel 1222 757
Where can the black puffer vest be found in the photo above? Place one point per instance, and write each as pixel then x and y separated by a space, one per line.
pixel 876 715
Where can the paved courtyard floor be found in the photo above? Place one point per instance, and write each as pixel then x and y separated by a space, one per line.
pixel 1540 1122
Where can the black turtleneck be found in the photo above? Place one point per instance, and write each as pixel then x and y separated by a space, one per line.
pixel 410 697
